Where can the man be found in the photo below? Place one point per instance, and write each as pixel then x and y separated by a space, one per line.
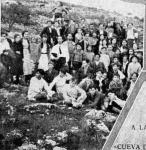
pixel 51 34
pixel 71 48
pixel 38 88
pixel 97 65
pixel 51 73
pixel 73 94
pixel 60 81
pixel 95 98
pixel 60 54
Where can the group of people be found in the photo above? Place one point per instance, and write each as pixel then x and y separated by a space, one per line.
pixel 77 64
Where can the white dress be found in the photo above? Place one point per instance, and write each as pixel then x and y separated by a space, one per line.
pixel 28 64
pixel 43 61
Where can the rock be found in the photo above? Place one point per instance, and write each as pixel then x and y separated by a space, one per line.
pixel 59 148
pixel 27 147
pixel 51 142
pixel 102 127
pixel 62 136
pixel 95 114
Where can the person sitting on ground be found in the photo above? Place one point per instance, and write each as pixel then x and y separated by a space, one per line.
pixel 95 99
pixel 51 73
pixel 38 88
pixel 116 86
pixel 73 94
pixel 86 82
pixel 60 81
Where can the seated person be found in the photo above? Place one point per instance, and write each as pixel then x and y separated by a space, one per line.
pixel 95 98
pixel 114 103
pixel 116 86
pixel 60 81
pixel 38 88
pixel 51 73
pixel 73 94
pixel 86 83
pixel 130 84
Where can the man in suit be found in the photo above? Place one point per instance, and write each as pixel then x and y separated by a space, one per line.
pixel 51 34
pixel 97 65
pixel 60 54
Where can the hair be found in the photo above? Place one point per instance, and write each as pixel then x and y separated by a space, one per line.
pixel 15 36
pixel 87 60
pixel 44 35
pixel 4 32
pixel 133 74
pixel 24 32
pixel 41 71
pixel 116 75
pixel 63 70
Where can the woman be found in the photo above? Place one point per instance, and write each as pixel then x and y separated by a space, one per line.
pixel 17 68
pixel 134 67
pixel 43 54
pixel 27 62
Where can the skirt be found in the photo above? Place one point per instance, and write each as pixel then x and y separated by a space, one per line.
pixel 43 62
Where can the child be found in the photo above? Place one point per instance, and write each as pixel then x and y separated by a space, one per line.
pixel 38 88
pixel 71 94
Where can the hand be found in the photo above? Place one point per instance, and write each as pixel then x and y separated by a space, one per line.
pixel 6 53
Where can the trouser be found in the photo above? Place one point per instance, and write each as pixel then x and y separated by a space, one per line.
pixel 130 43
pixel 76 65
pixel 41 97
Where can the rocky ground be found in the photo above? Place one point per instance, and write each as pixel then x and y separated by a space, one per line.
pixel 45 126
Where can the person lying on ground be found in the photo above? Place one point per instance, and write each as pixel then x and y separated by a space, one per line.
pixel 38 88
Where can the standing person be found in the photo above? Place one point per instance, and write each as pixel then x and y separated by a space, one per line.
pixel 27 62
pixel 51 34
pixel 43 54
pixel 95 43
pixel 17 68
pixel 71 48
pixel 130 35
pixel 60 54
pixel 89 54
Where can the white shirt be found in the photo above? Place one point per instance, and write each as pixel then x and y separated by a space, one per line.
pixel 4 45
pixel 130 34
pixel 36 86
pixel 64 51
pixel 105 59
pixel 60 82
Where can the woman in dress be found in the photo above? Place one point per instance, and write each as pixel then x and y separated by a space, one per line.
pixel 17 68
pixel 27 61
pixel 43 54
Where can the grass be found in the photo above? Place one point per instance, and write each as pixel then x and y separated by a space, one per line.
pixel 35 123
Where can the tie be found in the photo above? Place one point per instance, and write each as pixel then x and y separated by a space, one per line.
pixel 60 50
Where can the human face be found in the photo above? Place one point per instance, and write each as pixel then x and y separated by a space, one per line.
pixel 97 58
pixel 89 48
pixel 104 75
pixel 110 48
pixel 79 47
pixel 115 68
pixel 131 52
pixel 104 42
pixel 115 60
pixel 38 75
pixel 49 24
pixel 44 39
pixel 125 59
pixel 98 74
pixel 135 46
pixel 50 66
pixel 72 84
pixel 84 63
pixel 114 41
pixel 101 37
pixel 92 91
pixel 124 43
pixel 18 38
pixel 26 35
pixel 4 36
pixel 69 37
pixel 79 31
pixel 115 78
pixel 60 40
pixel 134 60
pixel 62 74
pixel 134 77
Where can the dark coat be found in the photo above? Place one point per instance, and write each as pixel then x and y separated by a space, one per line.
pixel 53 34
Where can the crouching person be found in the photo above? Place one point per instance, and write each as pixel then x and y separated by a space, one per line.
pixel 38 88
pixel 74 95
